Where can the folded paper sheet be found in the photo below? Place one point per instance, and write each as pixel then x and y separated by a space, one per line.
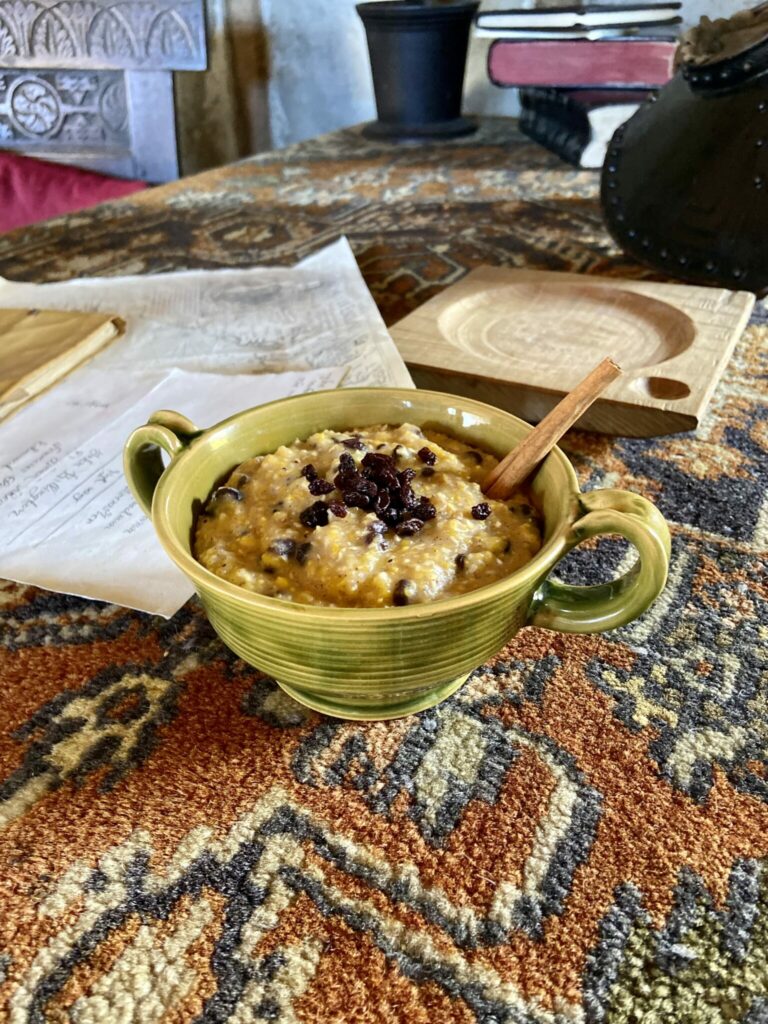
pixel 69 520
pixel 260 320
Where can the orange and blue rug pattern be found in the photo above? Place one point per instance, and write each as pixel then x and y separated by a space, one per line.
pixel 578 836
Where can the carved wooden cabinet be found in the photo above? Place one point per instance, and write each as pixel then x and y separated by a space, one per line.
pixel 90 82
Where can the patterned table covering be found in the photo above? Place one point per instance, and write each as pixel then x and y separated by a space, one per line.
pixel 580 834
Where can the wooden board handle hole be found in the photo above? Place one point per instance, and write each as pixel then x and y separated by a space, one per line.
pixel 662 388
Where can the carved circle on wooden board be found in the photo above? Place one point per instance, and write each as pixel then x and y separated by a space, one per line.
pixel 34 108
pixel 566 324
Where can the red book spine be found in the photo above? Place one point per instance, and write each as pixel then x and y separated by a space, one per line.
pixel 614 62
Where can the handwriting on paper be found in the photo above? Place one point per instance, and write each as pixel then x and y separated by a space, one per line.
pixel 67 509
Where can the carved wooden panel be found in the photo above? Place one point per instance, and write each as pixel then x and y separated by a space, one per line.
pixel 111 121
pixel 63 107
pixel 126 34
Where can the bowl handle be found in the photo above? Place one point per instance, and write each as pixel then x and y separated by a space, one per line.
pixel 574 609
pixel 142 461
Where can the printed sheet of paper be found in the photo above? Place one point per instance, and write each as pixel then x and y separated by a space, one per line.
pixel 69 521
pixel 259 320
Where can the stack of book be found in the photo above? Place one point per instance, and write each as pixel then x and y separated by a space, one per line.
pixel 581 70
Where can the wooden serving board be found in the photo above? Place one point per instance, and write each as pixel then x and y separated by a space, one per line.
pixel 38 347
pixel 520 339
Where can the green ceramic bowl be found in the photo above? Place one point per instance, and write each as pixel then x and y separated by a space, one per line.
pixel 372 663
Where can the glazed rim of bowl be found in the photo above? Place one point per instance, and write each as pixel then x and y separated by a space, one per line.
pixel 538 565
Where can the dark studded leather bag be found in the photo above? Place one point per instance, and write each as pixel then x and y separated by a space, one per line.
pixel 685 182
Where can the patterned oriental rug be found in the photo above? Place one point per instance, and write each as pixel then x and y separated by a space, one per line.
pixel 579 835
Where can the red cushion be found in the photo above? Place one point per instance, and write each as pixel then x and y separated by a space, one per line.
pixel 33 190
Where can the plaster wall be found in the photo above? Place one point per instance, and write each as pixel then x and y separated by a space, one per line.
pixel 318 73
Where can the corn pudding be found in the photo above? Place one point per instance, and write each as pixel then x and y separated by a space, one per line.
pixel 387 515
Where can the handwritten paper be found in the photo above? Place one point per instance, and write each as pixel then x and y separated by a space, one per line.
pixel 193 341
pixel 69 520
pixel 258 320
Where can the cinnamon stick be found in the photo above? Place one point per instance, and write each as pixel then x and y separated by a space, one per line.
pixel 515 467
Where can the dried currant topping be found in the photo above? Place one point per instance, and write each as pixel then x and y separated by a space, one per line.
pixel 347 481
pixel 309 471
pixel 381 501
pixel 427 471
pixel 400 593
pixel 353 442
pixel 338 508
pixel 427 456
pixel 354 499
pixel 319 486
pixel 389 516
pixel 407 498
pixel 242 480
pixel 481 511
pixel 367 487
pixel 284 547
pixel 302 551
pixel 315 515
pixel 424 510
pixel 347 477
pixel 376 460
pixel 408 527
pixel 227 492
pixel 460 561
pixel 375 485
pixel 380 468
pixel 388 478
pixel 375 529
